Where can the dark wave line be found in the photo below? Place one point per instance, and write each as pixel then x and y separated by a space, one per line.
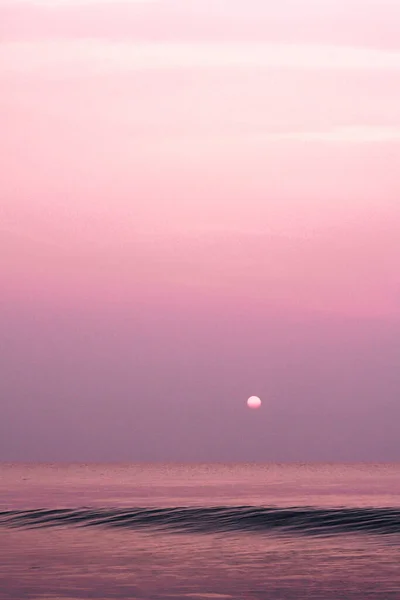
pixel 308 521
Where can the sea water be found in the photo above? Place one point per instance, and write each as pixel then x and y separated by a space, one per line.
pixel 158 532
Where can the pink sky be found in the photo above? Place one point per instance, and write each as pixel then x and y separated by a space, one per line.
pixel 206 158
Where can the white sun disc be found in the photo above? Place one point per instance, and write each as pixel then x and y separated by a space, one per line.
pixel 254 402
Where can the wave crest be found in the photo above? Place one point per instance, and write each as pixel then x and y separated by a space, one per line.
pixel 308 521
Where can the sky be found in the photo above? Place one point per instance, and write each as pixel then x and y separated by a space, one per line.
pixel 199 201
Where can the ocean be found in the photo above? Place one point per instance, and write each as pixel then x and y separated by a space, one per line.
pixel 206 531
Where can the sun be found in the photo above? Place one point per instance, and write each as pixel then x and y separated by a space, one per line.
pixel 254 402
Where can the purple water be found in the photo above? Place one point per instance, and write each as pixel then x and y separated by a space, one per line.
pixel 219 531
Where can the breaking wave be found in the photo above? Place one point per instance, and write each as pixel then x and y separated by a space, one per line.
pixel 306 521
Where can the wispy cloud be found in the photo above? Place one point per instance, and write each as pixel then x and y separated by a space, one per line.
pixel 220 144
pixel 358 23
pixel 353 134
pixel 67 3
pixel 91 54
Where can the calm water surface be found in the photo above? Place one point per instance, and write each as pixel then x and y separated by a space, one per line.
pixel 243 532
